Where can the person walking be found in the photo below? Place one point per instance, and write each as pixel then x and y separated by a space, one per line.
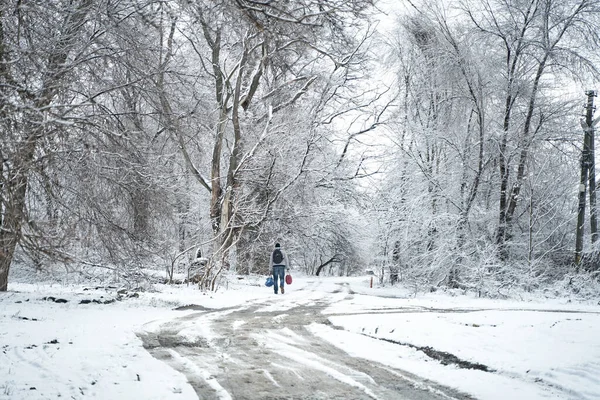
pixel 279 263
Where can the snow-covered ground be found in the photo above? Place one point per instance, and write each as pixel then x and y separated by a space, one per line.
pixel 535 349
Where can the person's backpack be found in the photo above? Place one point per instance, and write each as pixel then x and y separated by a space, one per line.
pixel 277 257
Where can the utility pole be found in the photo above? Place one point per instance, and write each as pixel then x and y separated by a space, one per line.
pixel 592 165
pixel 588 176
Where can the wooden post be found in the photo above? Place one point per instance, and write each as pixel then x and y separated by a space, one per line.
pixel 371 285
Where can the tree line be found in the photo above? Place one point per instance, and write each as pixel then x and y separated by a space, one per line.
pixel 135 132
pixel 486 143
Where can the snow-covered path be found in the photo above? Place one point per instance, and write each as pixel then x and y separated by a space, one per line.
pixel 326 338
pixel 266 350
pixel 323 339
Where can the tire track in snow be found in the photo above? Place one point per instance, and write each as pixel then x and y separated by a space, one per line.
pixel 265 351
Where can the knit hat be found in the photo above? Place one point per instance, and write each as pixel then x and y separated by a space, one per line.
pixel 277 245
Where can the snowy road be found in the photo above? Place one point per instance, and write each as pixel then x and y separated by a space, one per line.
pixel 267 349
pixel 326 338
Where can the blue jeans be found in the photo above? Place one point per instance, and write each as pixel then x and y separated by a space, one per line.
pixel 278 275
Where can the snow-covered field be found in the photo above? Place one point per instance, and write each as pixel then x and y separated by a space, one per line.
pixel 535 349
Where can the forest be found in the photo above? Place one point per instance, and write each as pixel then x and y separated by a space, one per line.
pixel 439 144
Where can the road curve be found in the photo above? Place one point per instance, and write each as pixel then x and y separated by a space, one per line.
pixel 264 350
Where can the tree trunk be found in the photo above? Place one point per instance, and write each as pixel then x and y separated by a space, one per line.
pixel 527 140
pixel 512 60
pixel 320 267
pixel 229 229
pixel 215 174
pixel 14 189
pixel 527 137
pixel 10 232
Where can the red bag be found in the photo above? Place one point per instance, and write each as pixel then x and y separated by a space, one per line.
pixel 288 279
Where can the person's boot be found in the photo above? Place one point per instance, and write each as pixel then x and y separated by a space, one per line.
pixel 282 290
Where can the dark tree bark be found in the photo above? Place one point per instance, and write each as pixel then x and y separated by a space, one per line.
pixel 333 259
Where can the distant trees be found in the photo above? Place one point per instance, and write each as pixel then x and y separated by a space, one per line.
pixel 261 61
pixel 533 40
pixel 132 131
pixel 485 122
